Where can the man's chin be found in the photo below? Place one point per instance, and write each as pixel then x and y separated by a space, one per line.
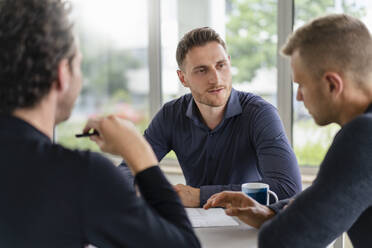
pixel 218 101
pixel 216 104
pixel 321 122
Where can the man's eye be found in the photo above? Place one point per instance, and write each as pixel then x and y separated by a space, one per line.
pixel 221 65
pixel 201 71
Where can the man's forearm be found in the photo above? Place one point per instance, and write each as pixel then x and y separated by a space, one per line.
pixel 158 193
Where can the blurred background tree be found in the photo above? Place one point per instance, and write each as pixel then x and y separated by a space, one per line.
pixel 251 30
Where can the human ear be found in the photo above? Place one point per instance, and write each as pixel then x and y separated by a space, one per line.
pixel 63 76
pixel 335 83
pixel 181 76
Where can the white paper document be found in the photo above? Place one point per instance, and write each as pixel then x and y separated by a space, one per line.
pixel 213 217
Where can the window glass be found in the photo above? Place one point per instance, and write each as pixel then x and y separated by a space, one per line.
pixel 115 65
pixel 251 36
pixel 171 86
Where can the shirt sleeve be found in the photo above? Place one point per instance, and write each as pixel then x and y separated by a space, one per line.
pixel 113 216
pixel 158 136
pixel 277 162
pixel 331 206
pixel 278 206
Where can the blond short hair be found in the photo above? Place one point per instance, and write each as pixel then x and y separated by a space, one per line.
pixel 334 42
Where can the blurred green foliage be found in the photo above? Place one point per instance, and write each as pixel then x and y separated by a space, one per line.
pixel 317 141
pixel 251 30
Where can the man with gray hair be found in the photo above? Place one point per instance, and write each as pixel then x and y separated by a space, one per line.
pixel 331 59
pixel 222 137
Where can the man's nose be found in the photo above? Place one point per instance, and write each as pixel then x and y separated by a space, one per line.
pixel 214 77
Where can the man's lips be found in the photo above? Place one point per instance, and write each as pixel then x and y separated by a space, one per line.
pixel 216 90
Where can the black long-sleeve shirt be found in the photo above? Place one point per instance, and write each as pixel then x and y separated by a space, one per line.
pixel 55 197
pixel 339 200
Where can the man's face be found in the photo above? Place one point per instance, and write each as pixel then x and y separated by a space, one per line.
pixel 206 71
pixel 66 105
pixel 311 91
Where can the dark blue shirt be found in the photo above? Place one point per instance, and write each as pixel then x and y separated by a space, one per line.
pixel 249 145
pixel 56 197
pixel 339 200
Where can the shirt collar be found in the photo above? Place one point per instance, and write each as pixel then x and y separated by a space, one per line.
pixel 233 107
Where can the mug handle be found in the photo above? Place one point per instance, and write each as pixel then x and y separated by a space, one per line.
pixel 273 194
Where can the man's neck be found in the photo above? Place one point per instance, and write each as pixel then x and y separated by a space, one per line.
pixel 42 117
pixel 212 116
pixel 357 104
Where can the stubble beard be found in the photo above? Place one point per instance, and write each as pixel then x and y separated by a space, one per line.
pixel 212 101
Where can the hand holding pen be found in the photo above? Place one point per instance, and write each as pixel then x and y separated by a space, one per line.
pixel 88 134
pixel 120 137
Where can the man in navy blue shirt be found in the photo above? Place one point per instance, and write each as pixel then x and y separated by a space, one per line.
pixel 222 137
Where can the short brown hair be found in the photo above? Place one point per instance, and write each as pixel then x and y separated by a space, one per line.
pixel 334 42
pixel 196 37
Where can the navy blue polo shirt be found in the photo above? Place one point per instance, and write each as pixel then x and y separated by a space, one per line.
pixel 248 145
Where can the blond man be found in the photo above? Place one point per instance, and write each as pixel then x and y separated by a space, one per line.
pixel 331 59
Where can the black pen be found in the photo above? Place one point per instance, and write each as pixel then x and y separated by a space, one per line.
pixel 80 135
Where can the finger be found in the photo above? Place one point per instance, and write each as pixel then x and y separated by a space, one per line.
pixel 233 199
pixel 92 123
pixel 97 139
pixel 239 199
pixel 208 204
pixel 223 199
pixel 233 211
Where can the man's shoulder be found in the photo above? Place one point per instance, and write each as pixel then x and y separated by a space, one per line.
pixel 360 124
pixel 179 102
pixel 359 129
pixel 176 107
pixel 77 158
pixel 355 136
pixel 252 103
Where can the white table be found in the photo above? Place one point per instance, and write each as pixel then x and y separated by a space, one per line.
pixel 238 237
pixel 230 236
